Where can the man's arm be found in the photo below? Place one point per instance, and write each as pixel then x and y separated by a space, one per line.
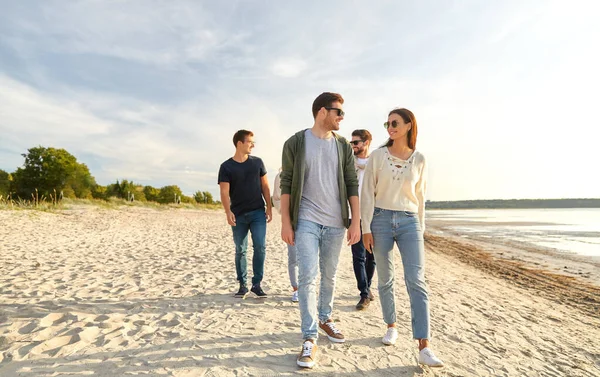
pixel 354 230
pixel 286 178
pixel 351 180
pixel 266 191
pixel 287 232
pixel 226 203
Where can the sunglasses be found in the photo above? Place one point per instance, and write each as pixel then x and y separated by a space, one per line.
pixel 355 142
pixel 340 112
pixel 393 124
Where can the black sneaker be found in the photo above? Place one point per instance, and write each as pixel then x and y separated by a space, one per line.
pixel 243 292
pixel 257 290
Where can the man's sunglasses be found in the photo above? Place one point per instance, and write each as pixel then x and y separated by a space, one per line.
pixel 393 124
pixel 340 112
pixel 355 142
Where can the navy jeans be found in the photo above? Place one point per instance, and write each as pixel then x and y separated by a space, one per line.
pixel 364 267
pixel 255 222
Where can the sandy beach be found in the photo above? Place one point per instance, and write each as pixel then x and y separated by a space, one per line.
pixel 139 291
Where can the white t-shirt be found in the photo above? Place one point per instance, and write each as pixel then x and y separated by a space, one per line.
pixel 360 172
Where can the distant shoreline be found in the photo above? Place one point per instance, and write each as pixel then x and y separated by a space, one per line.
pixel 514 203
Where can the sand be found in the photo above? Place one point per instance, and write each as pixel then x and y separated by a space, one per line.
pixel 139 291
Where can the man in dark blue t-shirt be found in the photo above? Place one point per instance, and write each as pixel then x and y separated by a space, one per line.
pixel 244 191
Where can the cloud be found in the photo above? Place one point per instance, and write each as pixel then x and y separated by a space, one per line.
pixel 155 93
pixel 288 67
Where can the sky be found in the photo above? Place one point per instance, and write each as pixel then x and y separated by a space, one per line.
pixel 505 93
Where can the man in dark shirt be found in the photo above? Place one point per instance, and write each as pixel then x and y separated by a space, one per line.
pixel 244 191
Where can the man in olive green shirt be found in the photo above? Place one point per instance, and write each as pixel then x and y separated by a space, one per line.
pixel 318 181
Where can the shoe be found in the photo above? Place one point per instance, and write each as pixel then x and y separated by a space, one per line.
pixel 363 303
pixel 390 336
pixel 295 296
pixel 243 292
pixel 257 290
pixel 427 357
pixel 307 357
pixel 332 332
pixel 371 295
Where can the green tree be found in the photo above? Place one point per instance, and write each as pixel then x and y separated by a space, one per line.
pixel 99 192
pixel 49 169
pixel 5 181
pixel 168 194
pixel 199 197
pixel 151 193
pixel 208 198
pixel 187 199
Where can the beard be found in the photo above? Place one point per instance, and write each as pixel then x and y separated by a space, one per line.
pixel 359 151
pixel 332 125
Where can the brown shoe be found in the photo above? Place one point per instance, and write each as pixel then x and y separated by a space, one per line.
pixel 307 356
pixel 363 303
pixel 371 295
pixel 332 332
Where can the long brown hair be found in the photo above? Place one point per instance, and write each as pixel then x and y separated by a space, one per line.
pixel 407 117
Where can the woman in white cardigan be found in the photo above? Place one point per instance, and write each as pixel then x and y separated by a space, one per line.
pixel 393 211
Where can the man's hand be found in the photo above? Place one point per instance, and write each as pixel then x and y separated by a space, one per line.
pixel 269 214
pixel 230 218
pixel 287 234
pixel 368 242
pixel 354 233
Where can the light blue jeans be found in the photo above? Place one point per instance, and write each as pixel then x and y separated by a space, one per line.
pixel 318 249
pixel 404 229
pixel 293 265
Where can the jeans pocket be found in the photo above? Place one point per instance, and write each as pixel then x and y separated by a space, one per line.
pixel 410 214
pixel 377 212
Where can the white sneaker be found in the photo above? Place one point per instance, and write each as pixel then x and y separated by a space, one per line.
pixel 295 296
pixel 390 336
pixel 427 357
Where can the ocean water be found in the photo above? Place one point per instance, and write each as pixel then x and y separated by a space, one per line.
pixel 569 230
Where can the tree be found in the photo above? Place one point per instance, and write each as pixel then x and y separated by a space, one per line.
pixel 208 198
pixel 168 194
pixel 151 193
pixel 5 180
pixel 199 197
pixel 49 169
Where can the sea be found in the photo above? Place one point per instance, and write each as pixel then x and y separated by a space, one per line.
pixel 568 230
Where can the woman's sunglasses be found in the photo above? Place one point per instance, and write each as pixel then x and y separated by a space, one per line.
pixel 393 124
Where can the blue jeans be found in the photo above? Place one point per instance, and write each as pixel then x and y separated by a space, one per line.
pixel 364 267
pixel 404 229
pixel 255 222
pixel 318 249
pixel 293 265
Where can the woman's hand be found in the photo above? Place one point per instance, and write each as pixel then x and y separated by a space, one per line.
pixel 368 242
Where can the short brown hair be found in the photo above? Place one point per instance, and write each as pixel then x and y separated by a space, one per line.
pixel 241 136
pixel 407 117
pixel 325 100
pixel 363 134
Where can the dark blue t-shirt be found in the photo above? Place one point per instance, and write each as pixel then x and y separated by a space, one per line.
pixel 245 190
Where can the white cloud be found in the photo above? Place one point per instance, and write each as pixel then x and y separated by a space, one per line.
pixel 288 67
pixel 502 91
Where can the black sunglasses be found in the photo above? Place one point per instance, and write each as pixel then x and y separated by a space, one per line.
pixel 355 142
pixel 340 112
pixel 393 124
